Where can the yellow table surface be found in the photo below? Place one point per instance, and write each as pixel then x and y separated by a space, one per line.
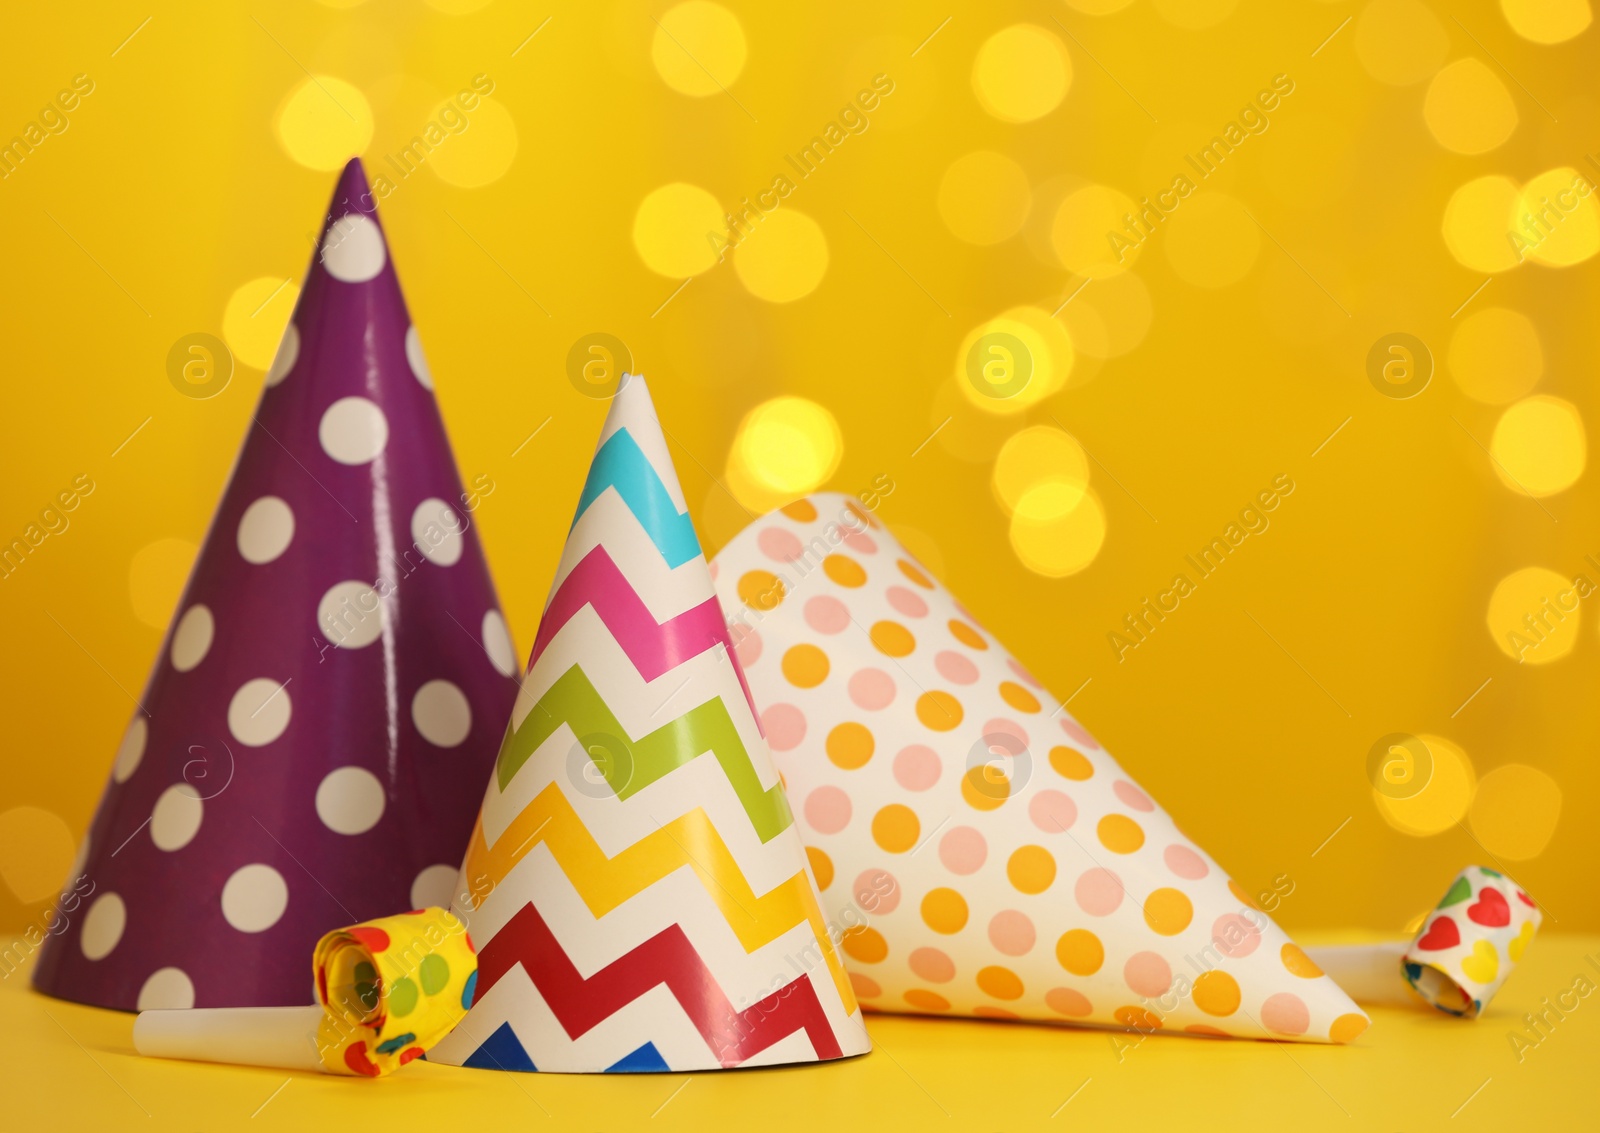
pixel 71 1067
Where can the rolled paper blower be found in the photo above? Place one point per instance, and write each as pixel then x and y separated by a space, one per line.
pixel 387 991
pixel 1459 959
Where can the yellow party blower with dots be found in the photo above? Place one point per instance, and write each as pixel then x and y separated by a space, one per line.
pixel 387 990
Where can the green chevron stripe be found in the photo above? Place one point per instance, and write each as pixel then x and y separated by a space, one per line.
pixel 630 765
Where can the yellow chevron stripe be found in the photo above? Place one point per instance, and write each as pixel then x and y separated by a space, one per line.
pixel 605 883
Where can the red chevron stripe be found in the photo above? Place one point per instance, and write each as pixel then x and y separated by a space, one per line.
pixel 666 958
pixel 654 648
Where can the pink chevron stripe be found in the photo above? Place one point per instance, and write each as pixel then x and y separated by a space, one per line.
pixel 654 648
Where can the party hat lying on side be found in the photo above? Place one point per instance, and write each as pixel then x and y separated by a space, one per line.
pixel 639 892
pixel 324 710
pixel 990 857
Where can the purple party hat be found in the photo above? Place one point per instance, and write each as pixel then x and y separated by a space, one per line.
pixel 318 727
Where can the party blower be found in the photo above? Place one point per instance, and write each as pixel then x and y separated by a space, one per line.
pixel 636 883
pixel 1461 956
pixel 387 990
pixel 987 855
pixel 319 722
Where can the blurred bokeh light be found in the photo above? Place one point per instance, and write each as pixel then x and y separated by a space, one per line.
pixel 323 120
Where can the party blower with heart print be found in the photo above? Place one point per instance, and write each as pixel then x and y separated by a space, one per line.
pixel 1461 956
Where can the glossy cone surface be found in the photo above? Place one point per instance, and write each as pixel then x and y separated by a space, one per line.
pixel 641 894
pixel 997 861
pixel 323 713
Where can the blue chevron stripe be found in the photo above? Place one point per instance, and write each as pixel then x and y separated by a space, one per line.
pixel 501 1051
pixel 620 464
pixel 646 1060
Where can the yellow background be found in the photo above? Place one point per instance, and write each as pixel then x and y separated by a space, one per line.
pixel 1360 612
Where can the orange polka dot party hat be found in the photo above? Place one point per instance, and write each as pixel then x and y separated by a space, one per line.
pixel 636 883
pixel 982 853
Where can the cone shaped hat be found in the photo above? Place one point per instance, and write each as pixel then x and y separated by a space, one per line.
pixel 638 891
pixel 1000 862
pixel 316 730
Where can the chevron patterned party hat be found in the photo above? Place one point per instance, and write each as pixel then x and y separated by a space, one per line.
pixel 993 859
pixel 636 885
pixel 324 708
